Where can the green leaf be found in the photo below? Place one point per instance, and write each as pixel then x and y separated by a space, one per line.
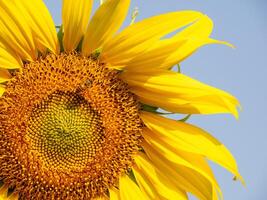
pixel 60 35
pixel 185 118
pixel 131 175
pixel 79 47
pixel 178 68
pixel 153 109
pixel 149 108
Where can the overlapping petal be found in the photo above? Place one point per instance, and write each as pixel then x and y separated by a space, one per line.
pixel 4 194
pixel 140 36
pixel 153 182
pixel 102 198
pixel 41 24
pixel 15 32
pixel 4 75
pixel 114 194
pixel 155 56
pixel 104 24
pixel 75 18
pixel 26 27
pixel 129 190
pixel 178 93
pixel 8 58
pixel 13 196
pixel 2 90
pixel 179 135
pixel 175 48
pixel 4 188
pixel 196 35
pixel 187 49
pixel 180 157
pixel 183 177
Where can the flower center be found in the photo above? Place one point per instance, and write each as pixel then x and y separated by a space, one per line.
pixel 69 128
pixel 65 131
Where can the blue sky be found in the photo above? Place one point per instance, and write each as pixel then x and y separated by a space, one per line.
pixel 241 71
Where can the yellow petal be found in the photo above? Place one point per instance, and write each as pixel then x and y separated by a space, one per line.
pixel 15 33
pixel 41 24
pixel 140 36
pixel 4 75
pixel 104 24
pixel 102 198
pixel 201 29
pixel 153 182
pixel 114 194
pixel 169 52
pixel 157 55
pixel 2 90
pixel 129 190
pixel 196 35
pixel 14 197
pixel 177 156
pixel 154 56
pixel 4 193
pixel 183 177
pixel 178 93
pixel 187 49
pixel 3 188
pixel 189 138
pixel 75 17
pixel 8 58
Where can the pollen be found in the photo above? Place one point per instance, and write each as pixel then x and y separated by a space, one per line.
pixel 69 128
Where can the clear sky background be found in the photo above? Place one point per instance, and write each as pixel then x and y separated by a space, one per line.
pixel 242 72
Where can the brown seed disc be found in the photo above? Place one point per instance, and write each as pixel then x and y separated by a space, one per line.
pixel 69 128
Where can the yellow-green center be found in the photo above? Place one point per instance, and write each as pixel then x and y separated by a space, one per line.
pixel 65 131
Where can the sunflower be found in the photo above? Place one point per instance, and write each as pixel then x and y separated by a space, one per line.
pixel 79 106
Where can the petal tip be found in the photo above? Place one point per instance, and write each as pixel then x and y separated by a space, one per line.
pixel 238 177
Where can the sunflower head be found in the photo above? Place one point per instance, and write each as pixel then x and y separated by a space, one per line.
pixel 79 107
pixel 73 124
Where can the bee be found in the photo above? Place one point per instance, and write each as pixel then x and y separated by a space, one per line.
pixel 84 85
